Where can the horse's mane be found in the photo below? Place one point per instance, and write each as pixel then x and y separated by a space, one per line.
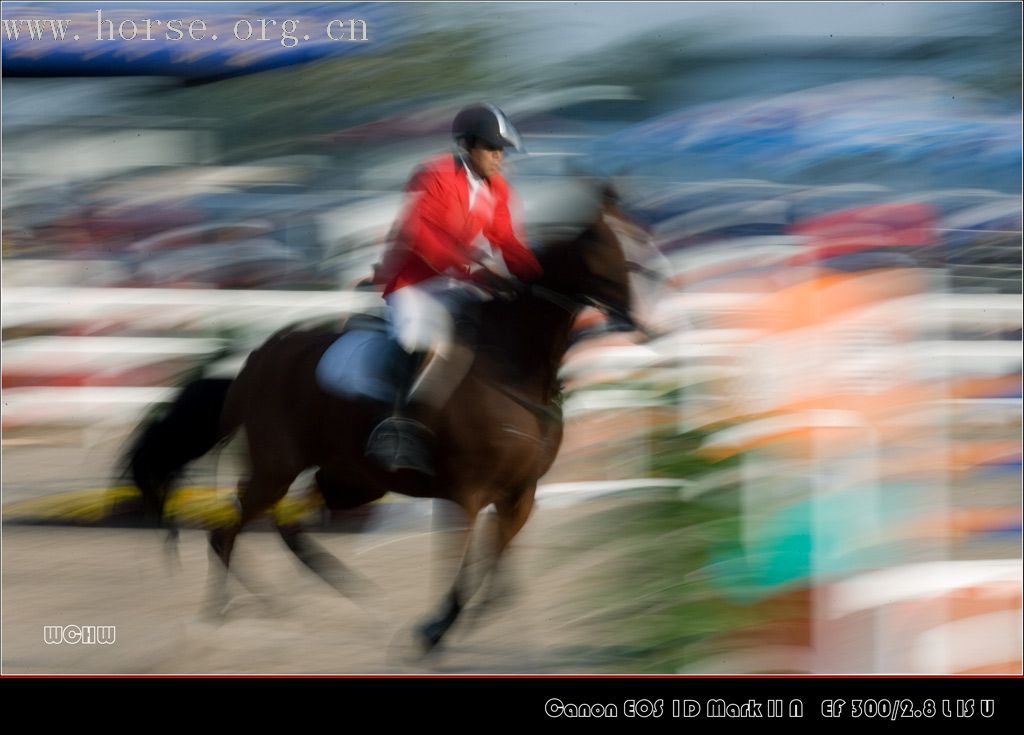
pixel 516 336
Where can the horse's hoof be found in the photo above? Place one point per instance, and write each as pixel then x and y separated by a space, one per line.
pixel 430 634
pixel 215 608
pixel 213 614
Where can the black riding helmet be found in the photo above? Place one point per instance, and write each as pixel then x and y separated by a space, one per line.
pixel 487 123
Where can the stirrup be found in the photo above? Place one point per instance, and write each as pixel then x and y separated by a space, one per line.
pixel 402 444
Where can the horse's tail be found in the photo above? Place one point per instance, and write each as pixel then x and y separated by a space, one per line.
pixel 168 440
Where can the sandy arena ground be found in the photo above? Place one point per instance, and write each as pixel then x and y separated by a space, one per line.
pixel 57 575
pixel 297 624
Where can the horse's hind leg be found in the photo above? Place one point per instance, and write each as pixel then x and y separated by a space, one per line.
pixel 255 496
pixel 316 558
pixel 323 563
pixel 222 542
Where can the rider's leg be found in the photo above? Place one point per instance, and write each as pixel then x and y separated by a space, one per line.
pixel 438 377
pixel 422 322
pixel 452 357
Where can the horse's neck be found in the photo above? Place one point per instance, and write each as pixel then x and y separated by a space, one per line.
pixel 523 343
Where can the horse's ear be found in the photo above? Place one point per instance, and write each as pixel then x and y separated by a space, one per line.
pixel 609 193
pixel 612 204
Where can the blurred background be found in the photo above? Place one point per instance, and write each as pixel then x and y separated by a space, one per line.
pixel 814 464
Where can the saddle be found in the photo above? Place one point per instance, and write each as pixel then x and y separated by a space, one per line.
pixel 366 363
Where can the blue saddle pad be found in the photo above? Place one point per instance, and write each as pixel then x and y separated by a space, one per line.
pixel 364 364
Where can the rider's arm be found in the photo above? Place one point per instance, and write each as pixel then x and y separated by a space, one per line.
pixel 502 234
pixel 431 227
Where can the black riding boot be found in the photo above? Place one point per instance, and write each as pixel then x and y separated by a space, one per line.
pixel 403 442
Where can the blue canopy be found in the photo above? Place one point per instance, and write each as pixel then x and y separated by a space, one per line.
pixel 922 126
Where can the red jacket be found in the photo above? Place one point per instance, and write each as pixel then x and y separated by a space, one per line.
pixel 437 231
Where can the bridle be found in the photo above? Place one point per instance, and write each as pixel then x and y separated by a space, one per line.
pixel 568 303
pixel 575 302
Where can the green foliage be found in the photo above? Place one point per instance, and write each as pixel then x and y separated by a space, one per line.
pixel 659 609
pixel 661 606
pixel 676 455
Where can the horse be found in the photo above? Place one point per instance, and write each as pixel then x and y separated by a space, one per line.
pixel 497 436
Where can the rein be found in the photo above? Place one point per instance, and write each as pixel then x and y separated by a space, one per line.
pixel 547 413
pixel 571 305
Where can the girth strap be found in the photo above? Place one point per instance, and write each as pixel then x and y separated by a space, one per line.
pixel 544 412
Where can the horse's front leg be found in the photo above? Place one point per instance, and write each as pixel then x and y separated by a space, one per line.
pixel 256 495
pixel 466 581
pixel 480 563
pixel 512 514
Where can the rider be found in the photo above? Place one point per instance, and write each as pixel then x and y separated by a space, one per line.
pixel 455 236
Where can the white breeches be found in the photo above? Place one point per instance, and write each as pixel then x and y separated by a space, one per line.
pixel 420 322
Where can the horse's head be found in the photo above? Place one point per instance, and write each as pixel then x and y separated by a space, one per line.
pixel 592 268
